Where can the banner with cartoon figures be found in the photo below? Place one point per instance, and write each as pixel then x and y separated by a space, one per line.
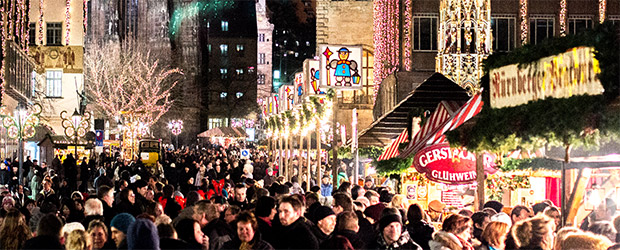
pixel 311 78
pixel 341 66
pixel 273 104
pixel 287 97
pixel 299 87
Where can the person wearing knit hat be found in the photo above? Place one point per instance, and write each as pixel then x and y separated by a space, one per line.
pixel 325 223
pixel 392 235
pixel 119 226
pixel 142 234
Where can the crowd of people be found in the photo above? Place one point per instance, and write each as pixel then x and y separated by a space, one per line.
pixel 212 198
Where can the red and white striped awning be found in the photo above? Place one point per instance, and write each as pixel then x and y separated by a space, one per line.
pixel 442 121
pixel 392 150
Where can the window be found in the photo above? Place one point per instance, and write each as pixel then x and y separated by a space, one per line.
pixel 261 58
pixel 223 95
pixel 261 37
pixel 224 25
pixel 239 95
pixel 224 49
pixel 239 71
pixel 261 79
pixel 217 122
pixel 503 33
pixel 240 49
pixel 54 34
pixel 32 34
pixel 425 33
pixel 541 28
pixel 53 79
pixel 307 43
pixel 209 48
pixel 224 73
pixel 579 24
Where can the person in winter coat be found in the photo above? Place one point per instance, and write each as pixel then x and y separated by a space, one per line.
pixel 456 234
pixel 392 236
pixel 142 234
pixel 534 233
pixel 188 230
pixel 346 226
pixel 421 232
pixel 247 236
pixel 294 233
pixel 119 228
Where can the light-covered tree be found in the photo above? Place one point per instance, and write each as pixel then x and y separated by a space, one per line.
pixel 128 79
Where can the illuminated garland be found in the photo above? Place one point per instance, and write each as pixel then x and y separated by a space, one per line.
pixel 407 23
pixel 562 17
pixel 3 44
pixel 85 15
pixel 602 7
pixel 68 21
pixel 524 26
pixel 25 27
pixel 11 31
pixel 385 39
pixel 18 26
pixel 41 22
pixel 496 185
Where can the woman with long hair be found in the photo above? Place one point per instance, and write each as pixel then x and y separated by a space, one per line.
pixel 189 231
pixel 14 232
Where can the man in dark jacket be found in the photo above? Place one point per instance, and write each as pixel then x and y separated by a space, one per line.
pixel 346 226
pixel 392 235
pixel 294 233
pixel 324 223
pixel 246 234
pixel 265 212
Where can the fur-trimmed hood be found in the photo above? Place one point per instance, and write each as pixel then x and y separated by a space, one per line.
pixel 445 241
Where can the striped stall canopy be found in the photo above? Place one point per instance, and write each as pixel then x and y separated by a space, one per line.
pixel 392 150
pixel 442 121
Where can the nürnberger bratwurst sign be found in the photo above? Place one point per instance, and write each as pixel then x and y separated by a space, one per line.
pixel 450 165
pixel 560 76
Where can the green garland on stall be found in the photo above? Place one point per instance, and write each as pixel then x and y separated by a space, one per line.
pixel 580 121
pixel 531 164
pixel 393 166
pixel 307 113
pixel 371 152
pixel 318 107
pixel 292 122
pixel 496 185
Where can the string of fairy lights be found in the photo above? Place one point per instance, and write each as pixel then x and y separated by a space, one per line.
pixel 602 8
pixel 386 35
pixel 40 21
pixel 67 21
pixel 562 17
pixel 524 24
pixel 407 28
pixel 297 126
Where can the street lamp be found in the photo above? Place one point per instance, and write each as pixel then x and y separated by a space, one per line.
pixel 75 126
pixel 21 126
pixel 175 127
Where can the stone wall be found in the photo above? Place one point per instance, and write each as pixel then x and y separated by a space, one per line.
pixel 344 22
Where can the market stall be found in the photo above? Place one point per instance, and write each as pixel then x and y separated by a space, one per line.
pixel 224 135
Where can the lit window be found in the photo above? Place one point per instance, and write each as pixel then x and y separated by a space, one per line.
pixel 239 47
pixel 239 71
pixel 224 25
pixel 53 79
pixel 209 48
pixel 223 95
pixel 261 58
pixel 296 54
pixel 224 49
pixel 261 79
pixel 307 43
pixel 224 73
pixel 239 95
pixel 297 43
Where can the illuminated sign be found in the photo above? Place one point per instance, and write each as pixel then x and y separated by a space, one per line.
pixel 450 165
pixel 311 78
pixel 560 76
pixel 341 66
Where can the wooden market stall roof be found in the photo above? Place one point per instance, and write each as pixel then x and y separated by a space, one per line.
pixel 427 95
pixel 224 132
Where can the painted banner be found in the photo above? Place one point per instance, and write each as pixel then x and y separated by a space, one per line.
pixel 311 78
pixel 299 84
pixel 341 66
pixel 287 97
pixel 559 76
pixel 450 165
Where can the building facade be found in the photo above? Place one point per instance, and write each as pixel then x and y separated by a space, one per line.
pixel 264 50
